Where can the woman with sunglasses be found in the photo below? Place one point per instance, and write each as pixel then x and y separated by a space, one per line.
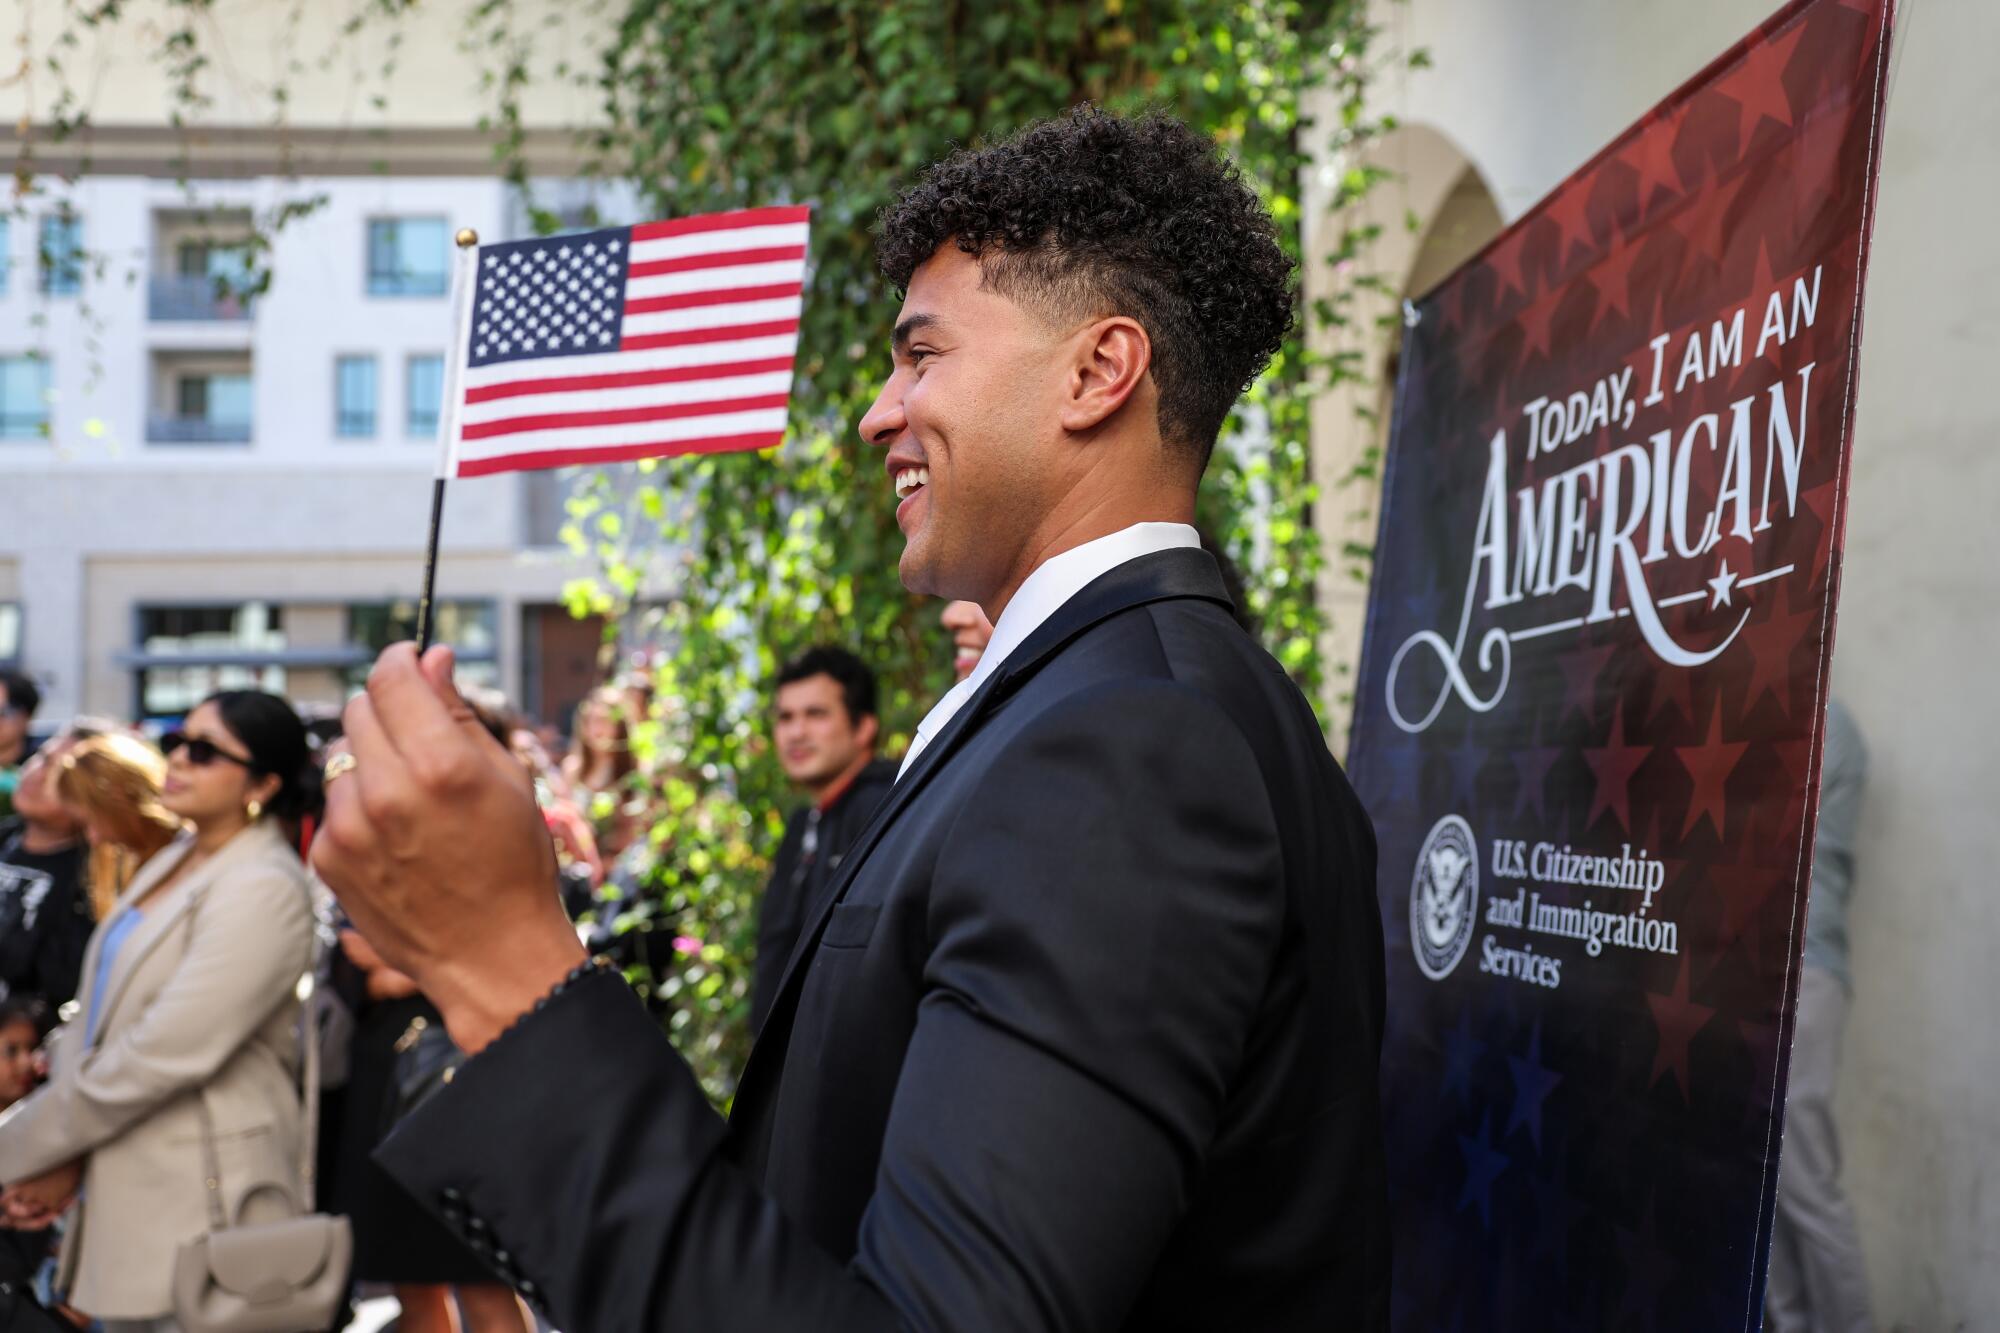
pixel 188 1033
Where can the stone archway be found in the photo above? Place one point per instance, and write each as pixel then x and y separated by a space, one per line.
pixel 1456 213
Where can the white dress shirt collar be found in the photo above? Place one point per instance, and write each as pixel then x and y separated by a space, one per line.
pixel 1041 595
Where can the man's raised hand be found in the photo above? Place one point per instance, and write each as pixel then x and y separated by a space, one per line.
pixel 433 844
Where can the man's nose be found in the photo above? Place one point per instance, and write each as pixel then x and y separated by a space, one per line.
pixel 884 421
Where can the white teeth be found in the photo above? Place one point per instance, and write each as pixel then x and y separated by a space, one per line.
pixel 909 479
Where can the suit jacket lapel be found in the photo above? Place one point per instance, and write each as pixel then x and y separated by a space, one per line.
pixel 1163 575
pixel 164 913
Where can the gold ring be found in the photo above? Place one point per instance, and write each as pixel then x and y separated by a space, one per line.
pixel 339 767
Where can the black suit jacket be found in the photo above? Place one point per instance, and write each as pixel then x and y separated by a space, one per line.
pixel 1084 1036
pixel 798 881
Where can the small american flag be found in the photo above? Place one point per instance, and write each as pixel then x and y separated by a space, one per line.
pixel 630 342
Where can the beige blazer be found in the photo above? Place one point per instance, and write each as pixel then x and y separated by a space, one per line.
pixel 202 1003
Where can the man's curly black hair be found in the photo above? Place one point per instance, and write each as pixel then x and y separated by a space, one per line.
pixel 1090 214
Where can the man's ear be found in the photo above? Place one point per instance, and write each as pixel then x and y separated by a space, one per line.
pixel 1112 357
pixel 869 730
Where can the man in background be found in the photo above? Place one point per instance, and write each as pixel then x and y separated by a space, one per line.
pixel 825 729
pixel 970 630
pixel 18 701
pixel 1817 1282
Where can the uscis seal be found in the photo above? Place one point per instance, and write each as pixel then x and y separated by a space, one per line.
pixel 1444 897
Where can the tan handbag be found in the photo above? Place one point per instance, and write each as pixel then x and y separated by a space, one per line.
pixel 266 1277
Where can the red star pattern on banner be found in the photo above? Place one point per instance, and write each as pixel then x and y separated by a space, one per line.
pixel 1534 321
pixel 1673 687
pixel 1677 1019
pixel 1612 275
pixel 1505 261
pixel 1772 644
pixel 1710 765
pixel 1580 668
pixel 1758 82
pixel 1709 226
pixel 1757 368
pixel 1815 156
pixel 1614 763
pixel 1651 155
pixel 1570 211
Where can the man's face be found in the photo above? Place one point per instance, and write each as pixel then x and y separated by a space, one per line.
pixel 817 742
pixel 13 727
pixel 972 412
pixel 970 632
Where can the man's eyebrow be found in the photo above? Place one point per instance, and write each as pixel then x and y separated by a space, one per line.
pixel 900 339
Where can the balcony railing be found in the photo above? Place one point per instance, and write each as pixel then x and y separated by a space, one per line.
pixel 194 299
pixel 196 430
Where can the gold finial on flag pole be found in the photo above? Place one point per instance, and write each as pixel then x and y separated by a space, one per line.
pixel 466 238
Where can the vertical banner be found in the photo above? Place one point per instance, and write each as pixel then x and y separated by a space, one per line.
pixel 1589 711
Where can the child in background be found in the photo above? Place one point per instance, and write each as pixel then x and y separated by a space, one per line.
pixel 25 1022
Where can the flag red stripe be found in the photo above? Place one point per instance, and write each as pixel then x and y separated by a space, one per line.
pixel 619 416
pixel 653 268
pixel 619 453
pixel 625 379
pixel 647 305
pixel 749 217
pixel 640 342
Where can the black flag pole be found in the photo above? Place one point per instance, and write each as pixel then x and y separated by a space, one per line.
pixel 430 567
pixel 464 275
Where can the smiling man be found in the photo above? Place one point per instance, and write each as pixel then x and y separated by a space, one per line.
pixel 824 727
pixel 1084 1033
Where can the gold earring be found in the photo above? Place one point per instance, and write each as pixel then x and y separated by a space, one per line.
pixel 254 810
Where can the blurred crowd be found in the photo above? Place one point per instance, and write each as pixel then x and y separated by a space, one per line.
pixel 166 957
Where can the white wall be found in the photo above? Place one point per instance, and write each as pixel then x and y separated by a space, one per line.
pixel 1526 91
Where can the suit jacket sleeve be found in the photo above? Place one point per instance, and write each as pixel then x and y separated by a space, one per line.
pixel 249 945
pixel 1102 922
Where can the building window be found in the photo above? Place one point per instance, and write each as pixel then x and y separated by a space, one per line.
pixel 62 254
pixel 471 628
pixel 187 653
pixel 423 394
pixel 354 397
pixel 407 257
pixel 24 397
pixel 214 399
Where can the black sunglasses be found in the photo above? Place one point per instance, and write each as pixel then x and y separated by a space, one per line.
pixel 200 753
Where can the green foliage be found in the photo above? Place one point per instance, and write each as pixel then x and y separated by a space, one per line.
pixel 728 103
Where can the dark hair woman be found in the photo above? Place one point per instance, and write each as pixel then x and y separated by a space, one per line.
pixel 188 1035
